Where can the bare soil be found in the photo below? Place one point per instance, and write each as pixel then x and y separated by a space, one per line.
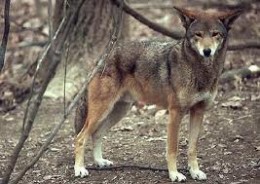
pixel 229 149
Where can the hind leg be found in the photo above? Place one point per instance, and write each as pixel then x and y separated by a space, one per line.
pixel 118 112
pixel 102 95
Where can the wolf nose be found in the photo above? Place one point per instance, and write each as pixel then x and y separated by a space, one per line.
pixel 207 52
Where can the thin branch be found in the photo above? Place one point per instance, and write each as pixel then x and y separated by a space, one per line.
pixel 5 35
pixel 50 25
pixel 250 44
pixel 55 130
pixel 175 35
pixel 52 135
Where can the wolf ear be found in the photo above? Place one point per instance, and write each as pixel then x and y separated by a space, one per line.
pixel 186 16
pixel 229 17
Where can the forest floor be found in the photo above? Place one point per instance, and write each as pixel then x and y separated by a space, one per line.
pixel 228 149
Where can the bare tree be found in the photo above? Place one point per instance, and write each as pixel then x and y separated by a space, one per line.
pixel 86 41
pixel 62 33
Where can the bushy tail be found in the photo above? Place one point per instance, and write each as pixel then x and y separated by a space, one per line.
pixel 81 113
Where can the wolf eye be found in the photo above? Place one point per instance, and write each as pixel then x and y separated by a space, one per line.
pixel 215 34
pixel 198 34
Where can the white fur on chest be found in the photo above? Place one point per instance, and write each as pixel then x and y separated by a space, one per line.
pixel 188 99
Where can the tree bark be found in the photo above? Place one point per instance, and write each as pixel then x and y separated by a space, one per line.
pixel 85 43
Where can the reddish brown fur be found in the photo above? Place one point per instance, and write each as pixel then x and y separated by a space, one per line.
pixel 174 76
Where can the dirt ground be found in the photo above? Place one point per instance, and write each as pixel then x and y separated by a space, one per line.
pixel 229 147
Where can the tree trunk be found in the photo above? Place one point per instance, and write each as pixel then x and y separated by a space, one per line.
pixel 91 32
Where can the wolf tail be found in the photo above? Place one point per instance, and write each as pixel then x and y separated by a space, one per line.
pixel 81 113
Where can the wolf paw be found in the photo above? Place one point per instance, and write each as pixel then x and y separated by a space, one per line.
pixel 80 171
pixel 103 163
pixel 198 174
pixel 176 176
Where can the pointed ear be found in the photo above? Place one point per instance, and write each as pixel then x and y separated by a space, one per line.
pixel 229 17
pixel 186 16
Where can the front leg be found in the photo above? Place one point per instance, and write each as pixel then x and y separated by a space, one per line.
pixel 172 144
pixel 196 118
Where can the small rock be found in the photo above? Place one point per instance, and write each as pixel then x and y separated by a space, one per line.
pixel 236 140
pixel 9 119
pixel 128 128
pixel 255 97
pixel 222 145
pixel 221 176
pixel 227 153
pixel 54 149
pixel 140 123
pixel 134 108
pixel 150 107
pixel 225 170
pixel 233 105
pixel 257 148
pixel 239 137
pixel 235 98
pixel 47 177
pixel 216 167
pixel 156 139
pixel 184 142
pixel 160 113
pixel 233 102
pixel 253 164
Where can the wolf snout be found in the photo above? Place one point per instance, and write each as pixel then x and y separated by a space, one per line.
pixel 206 52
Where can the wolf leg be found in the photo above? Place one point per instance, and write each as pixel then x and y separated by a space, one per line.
pixel 172 144
pixel 196 118
pixel 102 95
pixel 118 112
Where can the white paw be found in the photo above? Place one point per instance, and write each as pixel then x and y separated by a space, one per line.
pixel 103 163
pixel 80 171
pixel 176 176
pixel 198 174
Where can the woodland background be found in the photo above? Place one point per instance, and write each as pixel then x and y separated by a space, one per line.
pixel 229 146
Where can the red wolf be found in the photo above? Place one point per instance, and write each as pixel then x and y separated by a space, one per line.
pixel 181 77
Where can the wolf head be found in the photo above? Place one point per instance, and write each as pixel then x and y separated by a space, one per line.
pixel 206 32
